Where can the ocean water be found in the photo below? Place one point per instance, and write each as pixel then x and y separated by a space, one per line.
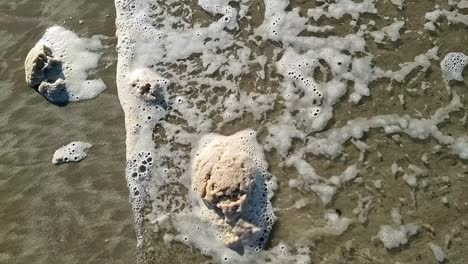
pixel 80 213
pixel 76 213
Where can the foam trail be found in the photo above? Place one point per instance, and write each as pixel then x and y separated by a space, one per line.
pixel 158 164
pixel 179 80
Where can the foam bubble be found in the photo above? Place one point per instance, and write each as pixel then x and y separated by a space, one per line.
pixel 452 66
pixel 138 174
pixel 243 218
pixel 72 152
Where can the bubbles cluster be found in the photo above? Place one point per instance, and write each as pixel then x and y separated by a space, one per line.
pixel 275 26
pixel 453 65
pixel 138 174
pixel 73 152
pixel 150 91
pixel 149 86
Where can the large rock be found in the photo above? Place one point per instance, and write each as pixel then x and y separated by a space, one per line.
pixel 233 188
pixel 223 177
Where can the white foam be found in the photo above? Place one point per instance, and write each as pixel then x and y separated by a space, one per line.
pixel 391 32
pixel 72 152
pixel 336 224
pixel 324 188
pixel 146 53
pixel 396 216
pixel 349 174
pixel 325 192
pixel 452 17
pixel 285 26
pixel 396 237
pixel 422 60
pixel 221 7
pixel 59 64
pixel 189 79
pixel 452 66
pixel 330 143
pixel 343 7
pixel 438 252
pixel 462 4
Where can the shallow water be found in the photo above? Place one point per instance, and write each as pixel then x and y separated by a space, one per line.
pixel 75 213
pixel 79 213
pixel 426 209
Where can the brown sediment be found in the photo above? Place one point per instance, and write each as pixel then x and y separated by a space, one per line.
pixel 54 213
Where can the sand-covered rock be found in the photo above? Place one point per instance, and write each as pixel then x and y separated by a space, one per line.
pixel 223 177
pixel 38 65
pixel 58 65
pixel 148 85
pixel 230 178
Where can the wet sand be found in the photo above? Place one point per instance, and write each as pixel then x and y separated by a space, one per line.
pixel 79 213
pixel 73 213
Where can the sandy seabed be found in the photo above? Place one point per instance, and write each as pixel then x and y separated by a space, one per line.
pixel 80 213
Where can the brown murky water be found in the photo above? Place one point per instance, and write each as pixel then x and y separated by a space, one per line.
pixel 75 213
pixel 79 213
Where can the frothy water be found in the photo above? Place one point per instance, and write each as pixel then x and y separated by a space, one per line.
pixel 277 72
pixel 353 105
